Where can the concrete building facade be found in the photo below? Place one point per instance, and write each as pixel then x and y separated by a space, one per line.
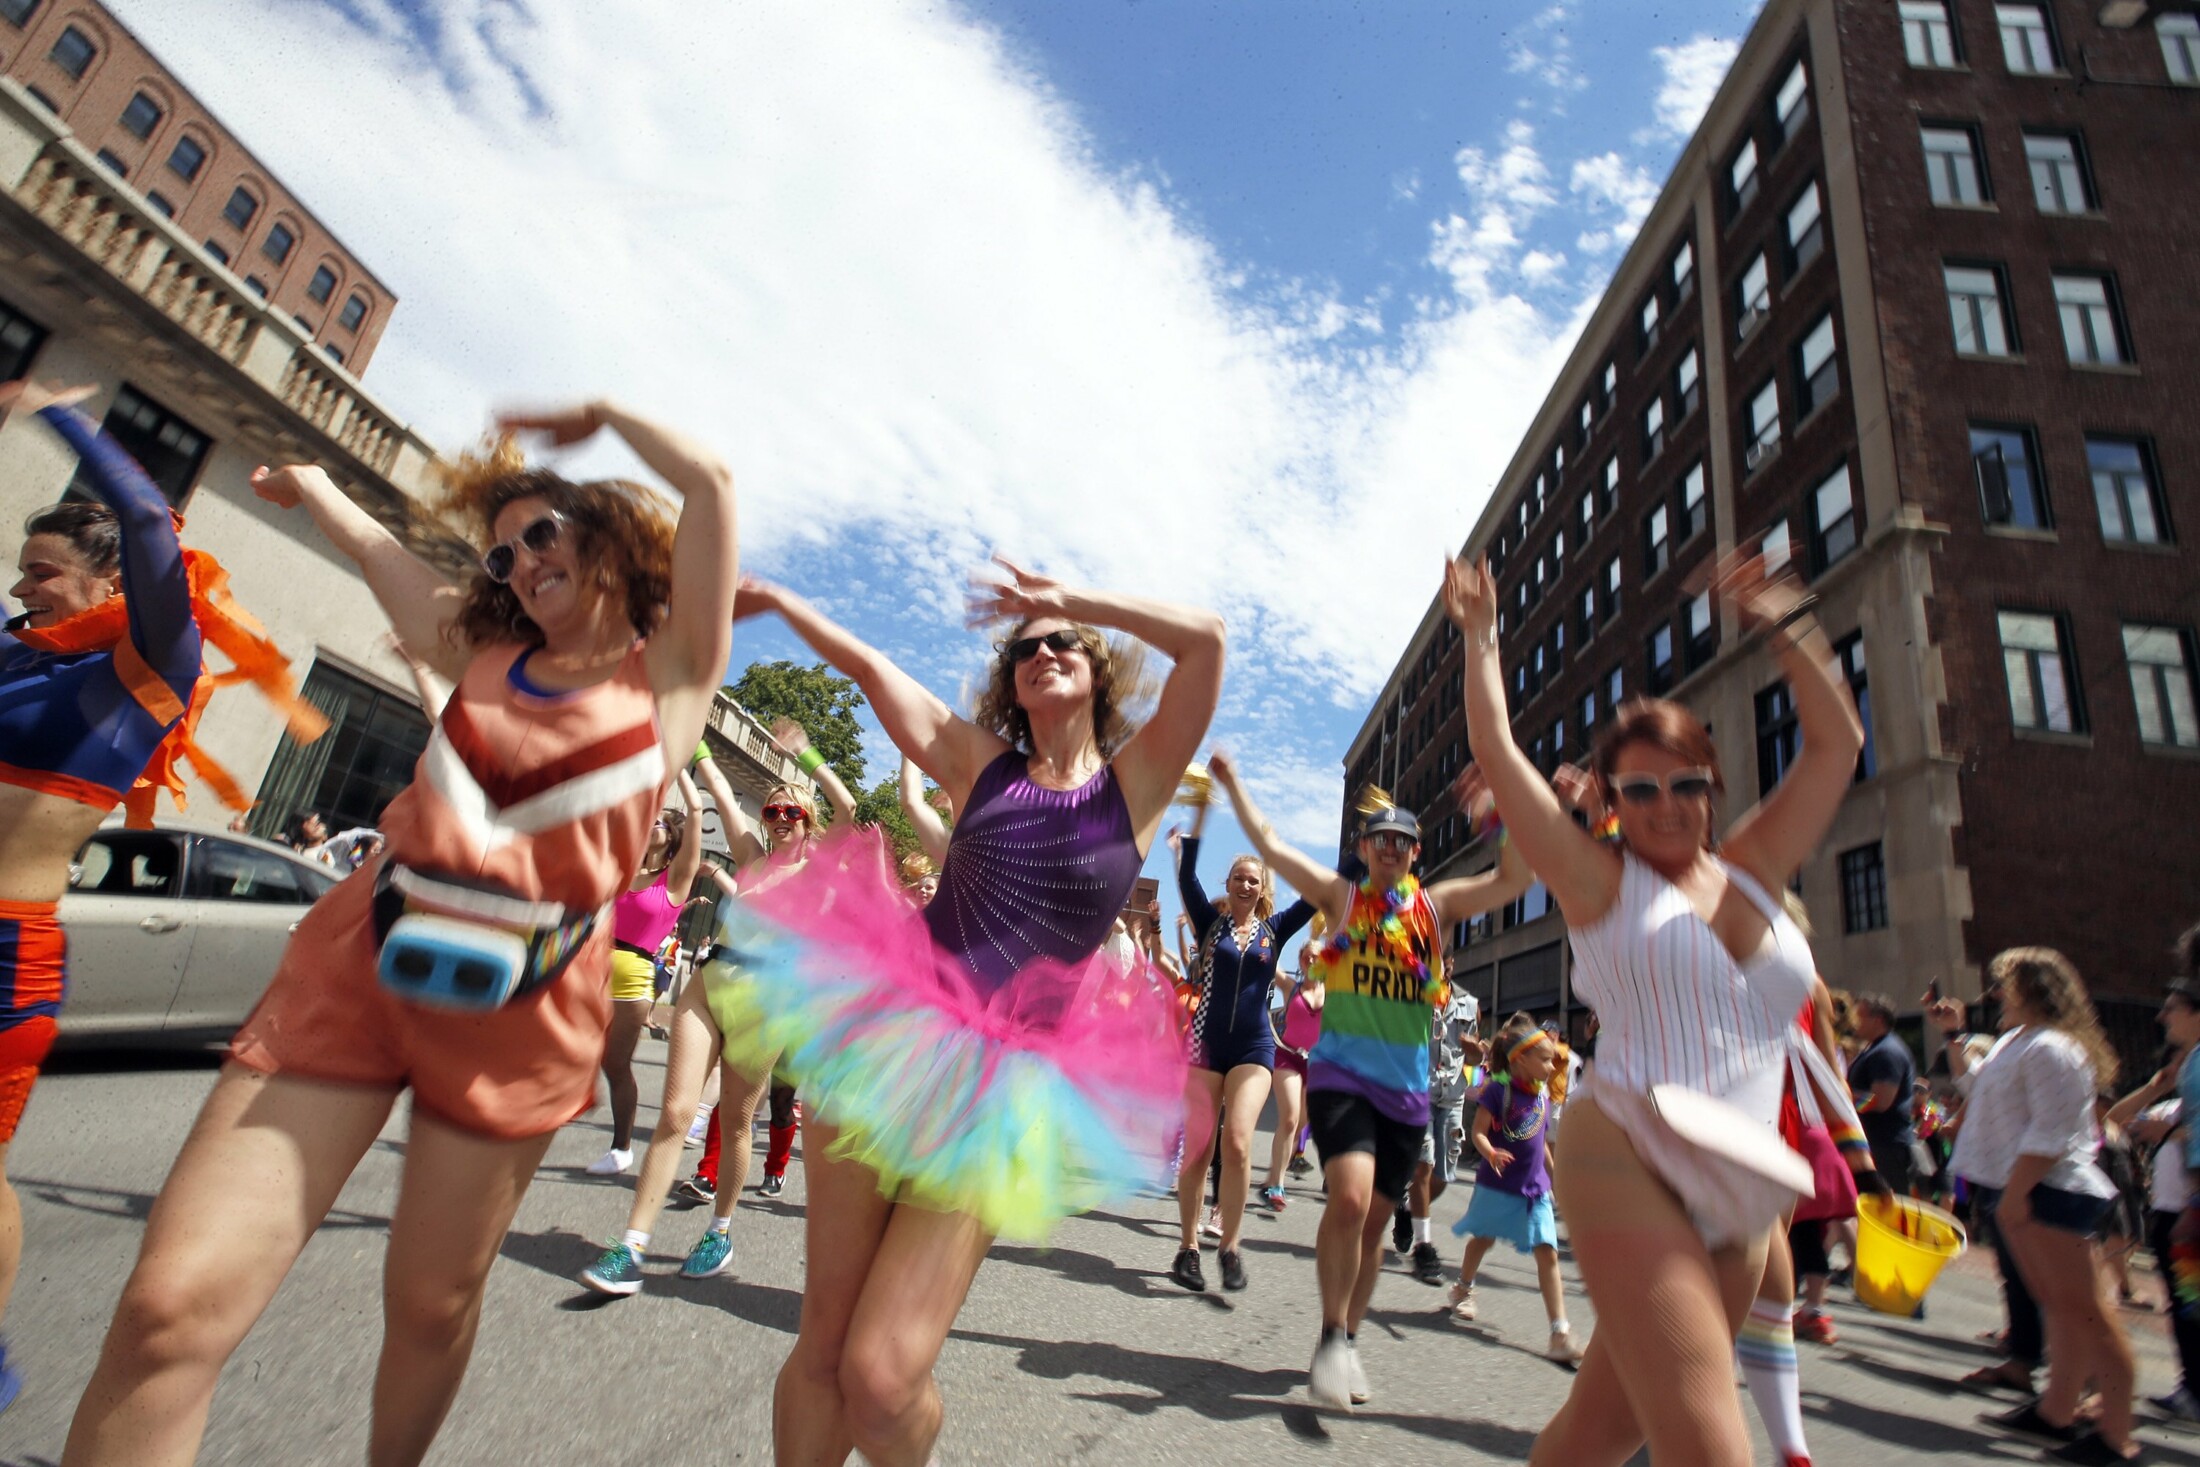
pixel 1911 311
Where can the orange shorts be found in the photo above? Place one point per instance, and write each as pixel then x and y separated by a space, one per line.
pixel 34 961
pixel 519 1071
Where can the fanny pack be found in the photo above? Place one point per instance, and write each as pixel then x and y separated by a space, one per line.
pixel 457 945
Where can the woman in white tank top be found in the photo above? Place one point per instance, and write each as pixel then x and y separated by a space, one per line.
pixel 1696 976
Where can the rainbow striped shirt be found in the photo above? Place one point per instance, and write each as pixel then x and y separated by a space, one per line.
pixel 1376 1018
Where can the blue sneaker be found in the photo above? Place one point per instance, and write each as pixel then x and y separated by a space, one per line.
pixel 618 1272
pixel 710 1255
pixel 11 1381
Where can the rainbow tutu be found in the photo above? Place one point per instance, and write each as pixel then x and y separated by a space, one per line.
pixel 1061 1091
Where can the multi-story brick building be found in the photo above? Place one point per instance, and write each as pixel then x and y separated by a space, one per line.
pixel 85 67
pixel 1915 307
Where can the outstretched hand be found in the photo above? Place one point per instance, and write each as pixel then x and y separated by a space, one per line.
pixel 790 736
pixel 1946 1014
pixel 282 487
pixel 1760 593
pixel 1471 793
pixel 755 596
pixel 28 396
pixel 564 426
pixel 1019 595
pixel 1223 768
pixel 1578 788
pixel 1470 598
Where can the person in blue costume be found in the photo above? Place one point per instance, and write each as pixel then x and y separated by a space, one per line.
pixel 1238 946
pixel 87 698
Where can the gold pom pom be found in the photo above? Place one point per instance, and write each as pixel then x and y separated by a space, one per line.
pixel 1196 790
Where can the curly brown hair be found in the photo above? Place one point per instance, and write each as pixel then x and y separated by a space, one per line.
pixel 1119 684
pixel 622 540
pixel 2054 995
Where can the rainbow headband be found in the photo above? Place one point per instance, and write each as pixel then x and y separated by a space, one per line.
pixel 1538 1037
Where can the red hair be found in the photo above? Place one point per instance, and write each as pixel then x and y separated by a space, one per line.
pixel 1663 724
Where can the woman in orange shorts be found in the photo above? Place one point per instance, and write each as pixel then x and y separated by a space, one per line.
pixel 467 962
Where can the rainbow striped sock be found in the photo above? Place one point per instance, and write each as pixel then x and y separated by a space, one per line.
pixel 1767 1350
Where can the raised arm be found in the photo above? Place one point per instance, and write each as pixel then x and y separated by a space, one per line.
pixel 688 859
pixel 1582 875
pixel 795 739
pixel 427 682
pixel 743 842
pixel 1773 839
pixel 1149 767
pixel 419 602
pixel 686 655
pixel 931 830
pixel 950 748
pixel 1326 889
pixel 1196 906
pixel 1465 897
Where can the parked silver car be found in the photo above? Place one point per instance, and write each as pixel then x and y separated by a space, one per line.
pixel 174 931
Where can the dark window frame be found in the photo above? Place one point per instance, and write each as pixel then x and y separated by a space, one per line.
pixel 85 52
pixel 134 107
pixel 1990 472
pixel 189 172
pixel 1863 889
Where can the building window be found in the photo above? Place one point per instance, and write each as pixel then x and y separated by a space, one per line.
pixel 1649 321
pixel 1588 714
pixel 141 116
pixel 39 96
pixel 187 158
pixel 1806 229
pixel 1695 504
pixel 1611 383
pixel 2091 333
pixel 158 200
pixel 375 738
pixel 1684 271
pixel 1703 631
pixel 1653 428
pixel 1792 103
pixel 2027 46
pixel 1611 588
pixel 1558 462
pixel 1741 175
pixel 323 282
pixel 114 164
pixel 1588 625
pixel 1615 688
pixel 256 285
pixel 1661 658
pixel 170 450
pixel 1863 890
pixel 1777 546
pixel 73 52
pixel 1952 173
pixel 1657 542
pixel 355 312
pixel 1764 426
pixel 240 209
pixel 1588 517
pixel 1849 652
pixel 1928 35
pixel 2035 656
pixel 1611 486
pixel 2006 465
pixel 1975 308
pixel 20 339
pixel 1588 418
pixel 2160 659
pixel 2126 491
pixel 2058 173
pixel 1687 381
pixel 278 244
pixel 1817 374
pixel 216 251
pixel 1752 297
pixel 1833 520
pixel 2179 33
pixel 1779 736
pixel 18 12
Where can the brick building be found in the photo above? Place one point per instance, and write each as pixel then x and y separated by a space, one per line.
pixel 1915 307
pixel 86 68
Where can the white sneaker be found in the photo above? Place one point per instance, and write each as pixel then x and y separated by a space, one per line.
pixel 611 1163
pixel 1462 1302
pixel 1356 1378
pixel 1212 1227
pixel 1562 1348
pixel 1329 1378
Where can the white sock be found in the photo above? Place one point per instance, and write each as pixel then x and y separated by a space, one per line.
pixel 1420 1230
pixel 1559 1326
pixel 1767 1350
pixel 722 1224
pixel 636 1239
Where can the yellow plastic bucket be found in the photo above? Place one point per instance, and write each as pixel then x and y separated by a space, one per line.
pixel 1901 1247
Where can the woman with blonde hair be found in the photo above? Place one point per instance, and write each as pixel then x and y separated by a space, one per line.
pixel 2029 1147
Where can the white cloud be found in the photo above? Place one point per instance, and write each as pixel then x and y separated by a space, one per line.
pixel 1543 48
pixel 1609 185
pixel 1691 73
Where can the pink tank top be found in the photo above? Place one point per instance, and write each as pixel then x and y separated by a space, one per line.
pixel 645 918
pixel 1302 1022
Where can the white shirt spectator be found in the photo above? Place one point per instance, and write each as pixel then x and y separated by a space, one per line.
pixel 2032 1097
pixel 2170 1187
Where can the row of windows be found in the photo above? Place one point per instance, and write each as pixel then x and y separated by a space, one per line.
pixel 2087 305
pixel 2040 667
pixel 2057 163
pixel 2127 487
pixel 1931 40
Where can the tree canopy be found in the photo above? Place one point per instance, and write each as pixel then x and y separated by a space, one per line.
pixel 816 697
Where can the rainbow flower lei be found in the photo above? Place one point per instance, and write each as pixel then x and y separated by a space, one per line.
pixel 1387 932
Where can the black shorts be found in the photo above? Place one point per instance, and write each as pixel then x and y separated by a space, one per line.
pixel 1343 1123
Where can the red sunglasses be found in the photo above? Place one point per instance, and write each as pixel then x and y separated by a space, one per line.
pixel 773 814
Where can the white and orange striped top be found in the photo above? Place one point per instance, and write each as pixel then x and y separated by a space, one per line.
pixel 1675 1008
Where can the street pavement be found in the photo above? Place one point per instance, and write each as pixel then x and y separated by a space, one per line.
pixel 1081 1351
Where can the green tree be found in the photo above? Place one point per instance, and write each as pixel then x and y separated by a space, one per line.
pixel 816 697
pixel 880 805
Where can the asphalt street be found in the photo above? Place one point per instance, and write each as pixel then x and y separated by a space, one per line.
pixel 1081 1351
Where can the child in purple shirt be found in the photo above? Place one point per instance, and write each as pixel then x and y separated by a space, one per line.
pixel 1512 1186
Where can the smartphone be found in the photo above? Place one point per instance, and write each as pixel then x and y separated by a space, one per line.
pixel 1932 992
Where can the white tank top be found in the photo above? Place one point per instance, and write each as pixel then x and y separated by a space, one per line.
pixel 1673 1006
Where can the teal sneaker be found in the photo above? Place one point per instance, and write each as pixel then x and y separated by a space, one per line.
pixel 710 1256
pixel 618 1272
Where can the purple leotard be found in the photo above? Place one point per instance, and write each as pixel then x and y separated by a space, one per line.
pixel 1033 872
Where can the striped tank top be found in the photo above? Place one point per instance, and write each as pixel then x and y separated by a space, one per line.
pixel 1673 1005
pixel 1378 1016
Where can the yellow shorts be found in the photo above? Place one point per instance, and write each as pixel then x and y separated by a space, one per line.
pixel 633 978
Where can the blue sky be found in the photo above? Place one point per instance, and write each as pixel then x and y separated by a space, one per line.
pixel 1190 300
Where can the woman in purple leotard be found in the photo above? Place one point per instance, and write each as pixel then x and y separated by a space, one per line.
pixel 955 1083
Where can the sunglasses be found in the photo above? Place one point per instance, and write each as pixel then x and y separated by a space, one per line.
pixel 1396 842
pixel 773 814
pixel 1681 784
pixel 540 536
pixel 1023 649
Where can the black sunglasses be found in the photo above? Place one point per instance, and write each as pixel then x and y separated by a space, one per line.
pixel 539 536
pixel 1023 649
